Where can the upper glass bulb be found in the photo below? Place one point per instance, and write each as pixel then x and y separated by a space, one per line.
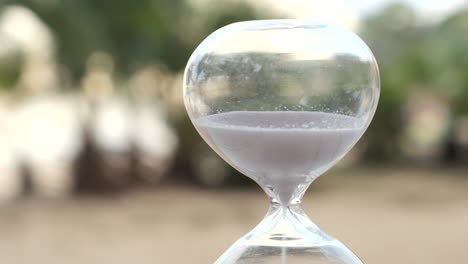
pixel 282 100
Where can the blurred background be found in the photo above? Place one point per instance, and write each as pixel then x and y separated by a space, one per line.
pixel 99 162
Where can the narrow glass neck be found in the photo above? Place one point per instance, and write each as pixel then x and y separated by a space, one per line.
pixel 286 235
pixel 285 197
pixel 295 202
pixel 286 225
pixel 285 190
pixel 292 212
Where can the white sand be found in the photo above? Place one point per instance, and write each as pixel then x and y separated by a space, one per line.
pixel 281 149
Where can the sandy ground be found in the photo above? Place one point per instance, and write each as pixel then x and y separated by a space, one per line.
pixel 384 216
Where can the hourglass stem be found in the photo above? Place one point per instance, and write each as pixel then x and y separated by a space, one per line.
pixel 284 249
pixel 284 236
pixel 286 226
pixel 295 207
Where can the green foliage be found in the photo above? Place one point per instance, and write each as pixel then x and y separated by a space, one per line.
pixel 412 54
pixel 449 62
pixel 134 33
pixel 10 68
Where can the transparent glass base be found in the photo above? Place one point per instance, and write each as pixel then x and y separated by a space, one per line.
pixel 287 236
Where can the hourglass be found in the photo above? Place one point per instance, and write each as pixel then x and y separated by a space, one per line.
pixel 282 101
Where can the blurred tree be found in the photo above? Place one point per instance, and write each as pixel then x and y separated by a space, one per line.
pixel 446 57
pixel 414 56
pixel 134 34
pixel 11 62
pixel 394 35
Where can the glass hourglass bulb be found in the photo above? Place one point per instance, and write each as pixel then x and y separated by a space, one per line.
pixel 282 101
